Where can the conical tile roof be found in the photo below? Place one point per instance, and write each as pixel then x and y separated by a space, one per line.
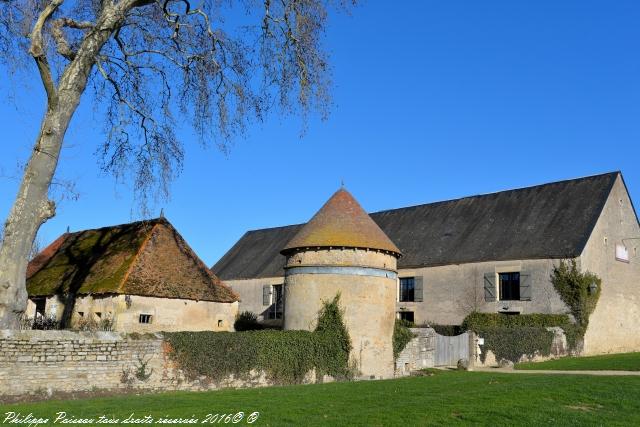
pixel 341 222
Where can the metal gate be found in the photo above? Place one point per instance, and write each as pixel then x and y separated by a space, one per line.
pixel 451 349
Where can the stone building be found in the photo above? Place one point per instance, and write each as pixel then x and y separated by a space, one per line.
pixel 341 251
pixel 138 277
pixel 490 253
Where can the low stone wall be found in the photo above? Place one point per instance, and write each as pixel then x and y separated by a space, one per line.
pixel 559 348
pixel 45 362
pixel 418 354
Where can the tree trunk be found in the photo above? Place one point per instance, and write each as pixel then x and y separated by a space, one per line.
pixel 32 207
pixel 30 210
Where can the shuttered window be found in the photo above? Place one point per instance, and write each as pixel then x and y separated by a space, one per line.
pixel 509 286
pixel 417 291
pixel 407 289
pixel 411 289
pixel 525 286
pixel 266 295
pixel 490 287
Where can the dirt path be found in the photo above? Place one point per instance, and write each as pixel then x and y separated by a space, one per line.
pixel 550 372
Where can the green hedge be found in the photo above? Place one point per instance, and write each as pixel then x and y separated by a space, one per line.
pixel 513 336
pixel 477 320
pixel 285 356
pixel 448 330
pixel 511 343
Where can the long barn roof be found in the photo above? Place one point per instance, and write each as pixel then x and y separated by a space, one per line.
pixel 545 221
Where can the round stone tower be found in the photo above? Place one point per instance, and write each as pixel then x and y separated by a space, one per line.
pixel 342 250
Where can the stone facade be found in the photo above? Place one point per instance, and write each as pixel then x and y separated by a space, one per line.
pixel 132 313
pixel 368 301
pixel 450 292
pixel 613 326
pixel 45 362
pixel 253 298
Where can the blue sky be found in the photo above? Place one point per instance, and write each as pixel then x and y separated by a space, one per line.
pixel 433 100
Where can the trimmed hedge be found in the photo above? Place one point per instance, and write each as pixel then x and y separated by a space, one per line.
pixel 510 337
pixel 511 343
pixel 285 356
pixel 477 320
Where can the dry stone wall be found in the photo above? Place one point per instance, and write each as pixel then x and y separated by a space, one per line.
pixel 45 362
pixel 419 352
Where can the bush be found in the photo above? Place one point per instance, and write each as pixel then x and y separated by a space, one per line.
pixel 475 320
pixel 448 330
pixel 510 337
pixel 247 321
pixel 285 356
pixel 401 336
pixel 511 343
pixel 573 288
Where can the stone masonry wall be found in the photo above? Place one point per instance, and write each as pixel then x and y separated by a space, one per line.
pixel 419 352
pixel 44 362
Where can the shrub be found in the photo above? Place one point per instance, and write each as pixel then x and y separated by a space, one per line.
pixel 285 356
pixel 511 343
pixel 510 337
pixel 247 321
pixel 573 288
pixel 475 320
pixel 401 336
pixel 447 330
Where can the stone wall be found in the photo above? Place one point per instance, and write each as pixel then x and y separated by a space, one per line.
pixel 419 352
pixel 559 348
pixel 123 312
pixel 45 362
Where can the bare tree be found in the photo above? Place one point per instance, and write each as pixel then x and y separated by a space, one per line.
pixel 472 296
pixel 151 65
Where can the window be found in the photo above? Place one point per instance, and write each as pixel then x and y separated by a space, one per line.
pixel 509 286
pixel 81 313
pixel 277 304
pixel 219 323
pixel 406 315
pixel 407 289
pixel 41 304
pixel 98 315
pixel 144 318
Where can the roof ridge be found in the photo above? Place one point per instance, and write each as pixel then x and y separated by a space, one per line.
pixel 562 181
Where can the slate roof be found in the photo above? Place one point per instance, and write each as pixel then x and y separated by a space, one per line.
pixel 341 222
pixel 545 221
pixel 147 258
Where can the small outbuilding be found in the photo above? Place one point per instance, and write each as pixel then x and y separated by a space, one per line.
pixel 137 277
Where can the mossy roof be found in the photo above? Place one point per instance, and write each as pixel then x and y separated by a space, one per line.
pixel 147 258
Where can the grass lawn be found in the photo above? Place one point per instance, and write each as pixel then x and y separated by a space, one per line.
pixel 446 398
pixel 608 362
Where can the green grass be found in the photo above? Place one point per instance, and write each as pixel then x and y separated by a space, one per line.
pixel 608 362
pixel 458 398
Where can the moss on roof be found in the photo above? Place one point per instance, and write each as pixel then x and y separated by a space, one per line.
pixel 124 259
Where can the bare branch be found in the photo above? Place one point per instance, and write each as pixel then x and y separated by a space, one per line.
pixel 61 42
pixel 37 50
